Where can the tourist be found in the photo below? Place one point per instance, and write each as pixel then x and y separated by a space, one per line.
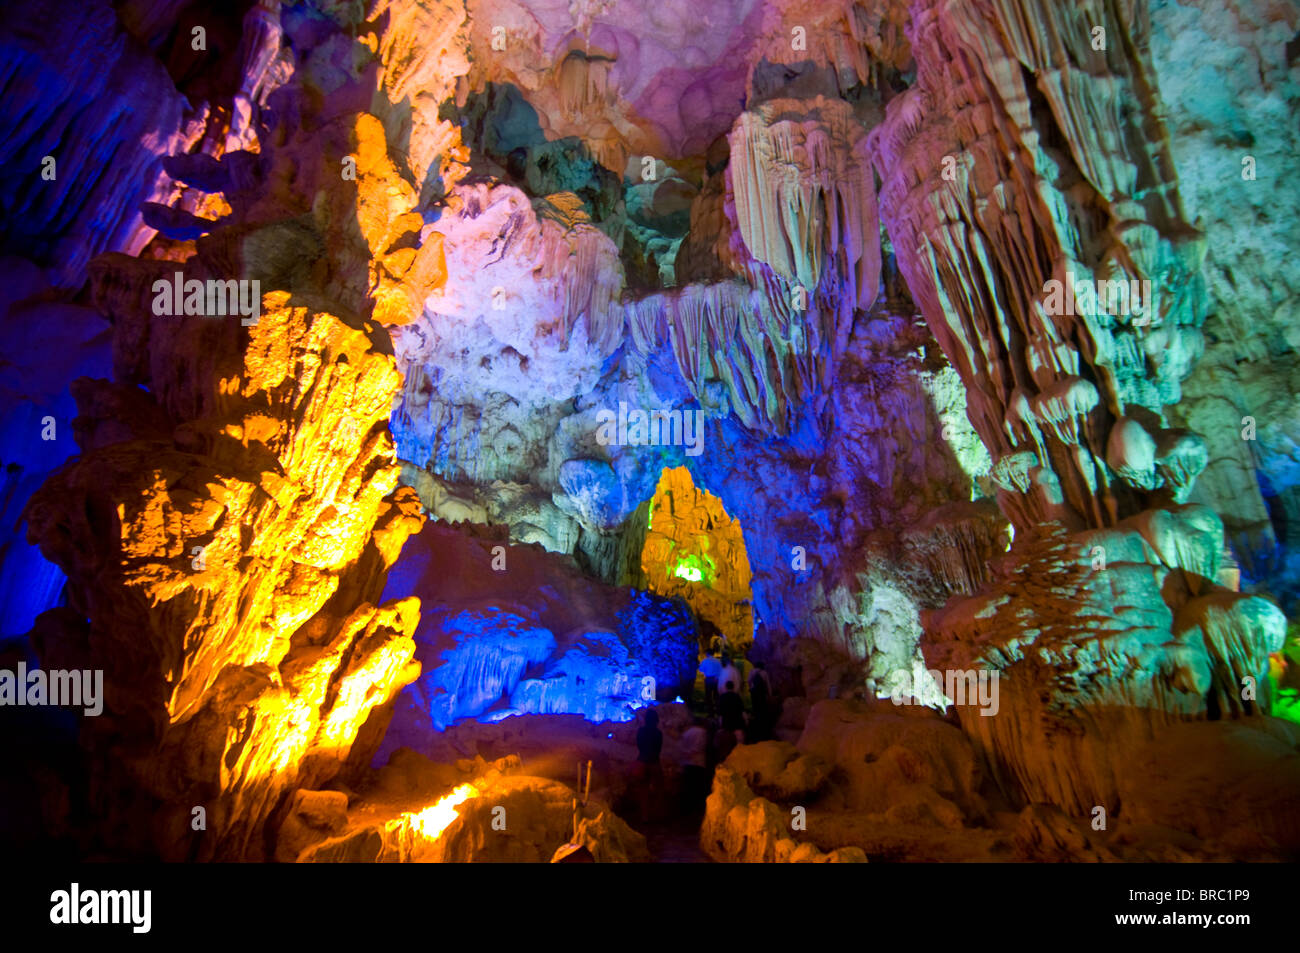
pixel 648 773
pixel 732 710
pixel 695 766
pixel 710 668
pixel 730 673
pixel 760 690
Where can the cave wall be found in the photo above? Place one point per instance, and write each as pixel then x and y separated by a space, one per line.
pixel 1028 178
pixel 822 396
pixel 1226 118
pixel 227 525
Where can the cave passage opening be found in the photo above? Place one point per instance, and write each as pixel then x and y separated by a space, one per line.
pixel 694 550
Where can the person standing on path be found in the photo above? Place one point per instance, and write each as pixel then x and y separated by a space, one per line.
pixel 648 773
pixel 710 668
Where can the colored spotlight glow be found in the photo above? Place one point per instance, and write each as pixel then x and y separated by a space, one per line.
pixel 1286 700
pixel 691 568
pixel 433 820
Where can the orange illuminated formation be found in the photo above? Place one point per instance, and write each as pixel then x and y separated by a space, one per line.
pixel 433 820
pixel 694 550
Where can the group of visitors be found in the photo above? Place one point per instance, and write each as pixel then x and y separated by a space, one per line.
pixel 729 704
pixel 724 722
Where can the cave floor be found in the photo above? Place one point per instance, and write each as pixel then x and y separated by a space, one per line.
pixel 675 840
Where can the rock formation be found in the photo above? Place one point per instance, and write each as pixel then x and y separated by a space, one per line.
pixel 284 478
pixel 397 396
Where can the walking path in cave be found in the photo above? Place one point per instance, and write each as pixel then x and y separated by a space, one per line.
pixel 675 841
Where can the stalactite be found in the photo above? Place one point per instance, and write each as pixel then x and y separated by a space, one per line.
pixel 1000 245
pixel 804 193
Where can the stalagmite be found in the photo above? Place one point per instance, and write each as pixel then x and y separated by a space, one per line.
pixel 1239 632
pixel 250 671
